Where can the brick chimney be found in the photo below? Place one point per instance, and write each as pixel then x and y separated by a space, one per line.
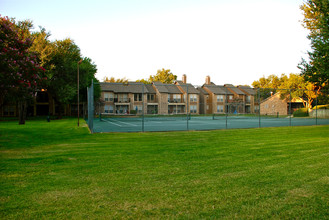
pixel 207 80
pixel 184 78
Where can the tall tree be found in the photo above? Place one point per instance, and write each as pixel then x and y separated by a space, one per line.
pixel 20 73
pixel 114 80
pixel 271 82
pixel 62 83
pixel 144 81
pixel 164 76
pixel 294 85
pixel 316 20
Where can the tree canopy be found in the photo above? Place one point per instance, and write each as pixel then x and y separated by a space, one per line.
pixel 27 58
pixel 114 80
pixel 164 76
pixel 20 72
pixel 294 85
pixel 316 20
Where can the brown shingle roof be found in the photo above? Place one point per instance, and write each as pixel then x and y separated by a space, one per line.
pixel 218 90
pixel 235 89
pixel 248 89
pixel 187 87
pixel 166 88
pixel 124 88
pixel 202 91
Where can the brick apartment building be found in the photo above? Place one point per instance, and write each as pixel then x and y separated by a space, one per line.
pixel 177 98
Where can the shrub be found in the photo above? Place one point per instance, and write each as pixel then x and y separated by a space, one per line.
pixel 302 112
pixel 133 112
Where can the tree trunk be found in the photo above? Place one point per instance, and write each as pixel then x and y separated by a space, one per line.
pixel 22 109
pixel 60 108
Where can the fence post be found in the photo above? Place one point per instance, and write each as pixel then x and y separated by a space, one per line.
pixel 316 109
pixel 290 114
pixel 226 107
pixel 258 90
pixel 187 107
pixel 142 107
pixel 90 96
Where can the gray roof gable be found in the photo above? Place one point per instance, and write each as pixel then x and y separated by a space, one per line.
pixel 202 91
pixel 218 90
pixel 167 88
pixel 248 89
pixel 235 89
pixel 187 87
pixel 124 87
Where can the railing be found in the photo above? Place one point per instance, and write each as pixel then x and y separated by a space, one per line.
pixel 155 100
pixel 175 101
pixel 121 100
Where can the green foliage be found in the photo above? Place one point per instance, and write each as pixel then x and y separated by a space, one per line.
pixel 57 170
pixel 114 80
pixel 271 82
pixel 164 76
pixel 316 20
pixel 145 81
pixel 133 112
pixel 302 112
pixel 294 85
pixel 20 72
pixel 38 58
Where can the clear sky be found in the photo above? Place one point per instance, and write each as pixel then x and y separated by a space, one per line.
pixel 232 41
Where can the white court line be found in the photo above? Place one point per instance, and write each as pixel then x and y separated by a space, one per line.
pixel 125 123
pixel 113 123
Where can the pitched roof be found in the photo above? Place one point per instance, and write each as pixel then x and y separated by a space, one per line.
pixel 131 87
pixel 202 91
pixel 235 89
pixel 150 88
pixel 218 90
pixel 277 95
pixel 187 87
pixel 248 89
pixel 167 88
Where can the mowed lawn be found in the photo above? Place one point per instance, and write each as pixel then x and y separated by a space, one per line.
pixel 57 170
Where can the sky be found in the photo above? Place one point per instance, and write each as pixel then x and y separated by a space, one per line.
pixel 233 41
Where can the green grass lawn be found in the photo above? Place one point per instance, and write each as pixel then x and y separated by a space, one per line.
pixel 57 170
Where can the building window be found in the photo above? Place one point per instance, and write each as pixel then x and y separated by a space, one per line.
pixel 9 111
pixel 248 98
pixel 138 97
pixel 193 98
pixel 220 108
pixel 109 109
pixel 108 97
pixel 150 97
pixel 193 108
pixel 230 97
pixel 220 98
pixel 138 109
pixel 207 107
pixel 177 98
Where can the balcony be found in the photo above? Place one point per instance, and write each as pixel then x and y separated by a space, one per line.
pixel 121 100
pixel 236 100
pixel 174 101
pixel 155 100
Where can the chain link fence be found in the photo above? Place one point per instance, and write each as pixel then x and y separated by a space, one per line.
pixel 138 107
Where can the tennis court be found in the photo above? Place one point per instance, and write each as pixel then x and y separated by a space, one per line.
pixel 184 122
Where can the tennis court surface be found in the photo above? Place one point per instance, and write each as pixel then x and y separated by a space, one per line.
pixel 184 122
